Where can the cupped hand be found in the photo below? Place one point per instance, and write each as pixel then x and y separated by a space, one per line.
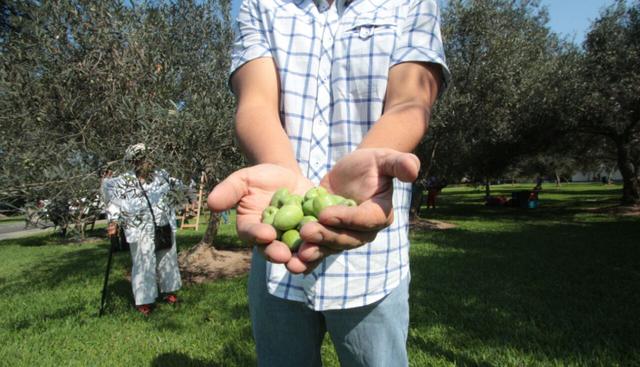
pixel 250 191
pixel 365 175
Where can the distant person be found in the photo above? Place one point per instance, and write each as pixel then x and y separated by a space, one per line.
pixel 538 186
pixel 225 216
pixel 142 202
pixel 434 187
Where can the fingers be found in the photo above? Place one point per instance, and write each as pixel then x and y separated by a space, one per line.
pixel 311 252
pixel 332 240
pixel 276 252
pixel 297 266
pixel 404 166
pixel 250 230
pixel 371 215
pixel 308 257
pixel 229 192
pixel 264 236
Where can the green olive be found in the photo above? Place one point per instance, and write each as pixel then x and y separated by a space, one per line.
pixel 292 239
pixel 349 202
pixel 293 199
pixel 268 214
pixel 288 217
pixel 321 202
pixel 307 207
pixel 337 199
pixel 315 191
pixel 279 197
pixel 306 219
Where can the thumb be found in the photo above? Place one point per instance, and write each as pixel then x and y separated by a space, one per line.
pixel 228 193
pixel 404 166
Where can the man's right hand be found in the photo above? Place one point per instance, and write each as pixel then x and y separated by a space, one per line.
pixel 112 230
pixel 250 191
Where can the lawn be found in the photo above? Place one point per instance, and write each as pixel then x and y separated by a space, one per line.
pixel 554 286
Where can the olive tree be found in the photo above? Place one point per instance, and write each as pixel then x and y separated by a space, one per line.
pixel 82 80
pixel 503 102
pixel 611 83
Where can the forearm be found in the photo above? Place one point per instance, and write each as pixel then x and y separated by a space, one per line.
pixel 411 93
pixel 258 127
pixel 262 137
pixel 400 128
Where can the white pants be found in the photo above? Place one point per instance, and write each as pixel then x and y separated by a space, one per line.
pixel 152 269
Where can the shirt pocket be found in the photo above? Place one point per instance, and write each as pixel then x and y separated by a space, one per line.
pixel 368 41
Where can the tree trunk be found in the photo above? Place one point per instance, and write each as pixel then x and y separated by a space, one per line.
pixel 212 229
pixel 557 179
pixel 631 182
pixel 487 188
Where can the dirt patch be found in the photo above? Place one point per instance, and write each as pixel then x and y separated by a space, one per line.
pixel 430 225
pixel 202 263
pixel 623 210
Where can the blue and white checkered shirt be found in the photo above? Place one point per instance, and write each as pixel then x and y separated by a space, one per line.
pixel 333 63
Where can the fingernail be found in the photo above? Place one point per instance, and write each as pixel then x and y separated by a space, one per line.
pixel 332 221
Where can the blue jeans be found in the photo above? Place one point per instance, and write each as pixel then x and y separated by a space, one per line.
pixel 288 333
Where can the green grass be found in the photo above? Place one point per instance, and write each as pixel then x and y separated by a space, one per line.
pixel 553 286
pixel 12 219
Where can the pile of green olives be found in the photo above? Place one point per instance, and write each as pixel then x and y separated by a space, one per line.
pixel 287 212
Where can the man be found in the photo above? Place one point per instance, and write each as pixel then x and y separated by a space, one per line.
pixel 130 199
pixel 336 94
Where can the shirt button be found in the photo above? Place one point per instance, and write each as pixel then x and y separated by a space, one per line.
pixel 364 32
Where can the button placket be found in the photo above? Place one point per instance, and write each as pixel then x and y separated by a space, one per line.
pixel 319 152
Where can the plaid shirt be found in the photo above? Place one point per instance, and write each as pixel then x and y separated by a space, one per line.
pixel 333 64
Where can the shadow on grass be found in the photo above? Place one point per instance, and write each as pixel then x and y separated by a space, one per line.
pixel 556 290
pixel 224 240
pixel 119 296
pixel 55 238
pixel 451 208
pixel 59 268
pixel 232 355
pixel 42 318
pixel 178 360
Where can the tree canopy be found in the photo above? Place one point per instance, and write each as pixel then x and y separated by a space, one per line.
pixel 610 76
pixel 81 81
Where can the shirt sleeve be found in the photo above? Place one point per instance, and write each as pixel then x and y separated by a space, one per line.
pixel 421 39
pixel 251 40
pixel 109 196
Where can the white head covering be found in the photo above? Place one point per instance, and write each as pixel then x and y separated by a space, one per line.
pixel 135 152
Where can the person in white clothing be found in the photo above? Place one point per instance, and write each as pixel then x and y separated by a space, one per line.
pixel 129 199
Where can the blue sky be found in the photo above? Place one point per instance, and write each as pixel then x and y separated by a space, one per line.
pixel 573 18
pixel 569 18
